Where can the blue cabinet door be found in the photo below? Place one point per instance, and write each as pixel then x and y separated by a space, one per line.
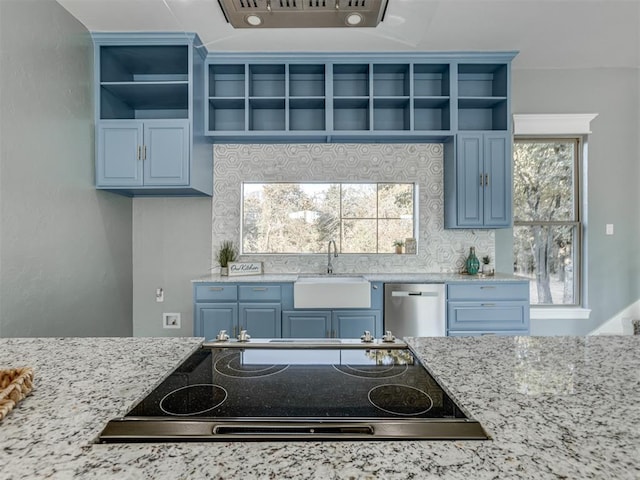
pixel 166 152
pixel 212 318
pixel 119 161
pixel 150 153
pixel 483 180
pixel 261 320
pixel 353 323
pixel 310 324
pixel 470 181
pixel 497 188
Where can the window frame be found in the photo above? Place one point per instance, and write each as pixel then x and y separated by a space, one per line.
pixel 577 223
pixel 339 235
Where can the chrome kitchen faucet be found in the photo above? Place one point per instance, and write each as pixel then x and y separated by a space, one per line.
pixel 335 254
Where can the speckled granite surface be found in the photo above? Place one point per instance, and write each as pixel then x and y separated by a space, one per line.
pixel 556 408
pixel 373 277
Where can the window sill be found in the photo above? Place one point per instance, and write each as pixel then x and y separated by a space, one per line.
pixel 570 313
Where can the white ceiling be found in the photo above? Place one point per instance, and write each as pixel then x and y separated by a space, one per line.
pixel 548 33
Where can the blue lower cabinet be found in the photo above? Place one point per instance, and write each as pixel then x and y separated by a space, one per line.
pixel 488 308
pixel 353 323
pixel 309 324
pixel 261 320
pixel 331 323
pixel 210 319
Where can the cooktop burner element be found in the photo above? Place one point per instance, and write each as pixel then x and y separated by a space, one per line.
pixel 259 391
pixel 371 372
pixel 193 400
pixel 376 364
pixel 400 400
pixel 231 366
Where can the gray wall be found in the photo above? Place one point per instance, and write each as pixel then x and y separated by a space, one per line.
pixel 171 246
pixel 65 248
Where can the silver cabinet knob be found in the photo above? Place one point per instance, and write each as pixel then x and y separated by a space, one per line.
pixel 388 337
pixel 244 336
pixel 222 336
pixel 367 337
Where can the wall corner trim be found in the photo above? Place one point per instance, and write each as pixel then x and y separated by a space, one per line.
pixel 553 123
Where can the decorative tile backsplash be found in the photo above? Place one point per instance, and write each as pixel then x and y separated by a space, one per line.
pixel 439 250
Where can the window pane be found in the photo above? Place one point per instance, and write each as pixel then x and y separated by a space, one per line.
pixel 544 181
pixel 358 236
pixel 359 200
pixel 288 217
pixel 547 255
pixel 395 200
pixel 392 230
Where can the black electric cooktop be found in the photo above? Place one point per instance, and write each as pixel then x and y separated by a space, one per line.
pixel 261 391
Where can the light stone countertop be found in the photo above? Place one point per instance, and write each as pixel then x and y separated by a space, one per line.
pixel 555 407
pixel 372 277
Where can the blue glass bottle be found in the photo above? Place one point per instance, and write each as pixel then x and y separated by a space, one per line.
pixel 472 264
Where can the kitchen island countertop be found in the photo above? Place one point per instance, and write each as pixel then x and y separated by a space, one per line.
pixel 555 407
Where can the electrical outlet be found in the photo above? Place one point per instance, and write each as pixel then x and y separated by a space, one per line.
pixel 171 320
pixel 159 295
pixel 609 229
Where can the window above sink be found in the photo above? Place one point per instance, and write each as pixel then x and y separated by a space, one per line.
pixel 300 218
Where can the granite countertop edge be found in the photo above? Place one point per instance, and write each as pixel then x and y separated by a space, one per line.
pixel 372 277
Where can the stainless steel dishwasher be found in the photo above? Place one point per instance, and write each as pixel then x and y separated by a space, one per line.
pixel 415 309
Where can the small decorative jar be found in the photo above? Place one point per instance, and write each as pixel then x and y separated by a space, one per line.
pixel 472 263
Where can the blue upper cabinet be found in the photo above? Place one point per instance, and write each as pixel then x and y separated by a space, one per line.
pixel 477 162
pixel 338 97
pixel 477 185
pixel 149 115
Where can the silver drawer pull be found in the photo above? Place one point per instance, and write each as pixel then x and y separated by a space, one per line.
pixel 488 304
pixel 259 289
pixel 216 289
pixel 488 287
pixel 487 333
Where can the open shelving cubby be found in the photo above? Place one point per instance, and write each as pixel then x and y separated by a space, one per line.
pixel 144 82
pixel 307 105
pixel 267 89
pixel 431 97
pixel 391 93
pixel 227 91
pixel 482 97
pixel 351 97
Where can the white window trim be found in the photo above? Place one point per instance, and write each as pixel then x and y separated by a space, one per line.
pixel 555 124
pixel 564 313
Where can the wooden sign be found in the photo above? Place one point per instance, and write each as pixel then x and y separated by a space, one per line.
pixel 237 269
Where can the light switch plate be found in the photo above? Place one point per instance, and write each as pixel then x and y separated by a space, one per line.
pixel 609 229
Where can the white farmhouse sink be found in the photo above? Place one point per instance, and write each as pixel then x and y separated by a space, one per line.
pixel 327 291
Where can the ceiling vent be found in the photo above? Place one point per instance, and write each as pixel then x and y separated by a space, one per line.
pixel 303 13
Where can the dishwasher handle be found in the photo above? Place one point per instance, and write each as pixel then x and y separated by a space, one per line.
pixel 401 293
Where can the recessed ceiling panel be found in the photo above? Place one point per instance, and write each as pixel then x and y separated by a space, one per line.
pixel 303 13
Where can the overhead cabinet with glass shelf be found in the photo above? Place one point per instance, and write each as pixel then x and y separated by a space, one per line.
pixel 149 115
pixel 343 97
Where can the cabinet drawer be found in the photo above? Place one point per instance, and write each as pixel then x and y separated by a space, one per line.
pixel 259 292
pixel 487 317
pixel 216 293
pixel 488 291
pixel 471 333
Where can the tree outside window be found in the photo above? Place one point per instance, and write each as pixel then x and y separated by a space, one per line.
pixel 546 219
